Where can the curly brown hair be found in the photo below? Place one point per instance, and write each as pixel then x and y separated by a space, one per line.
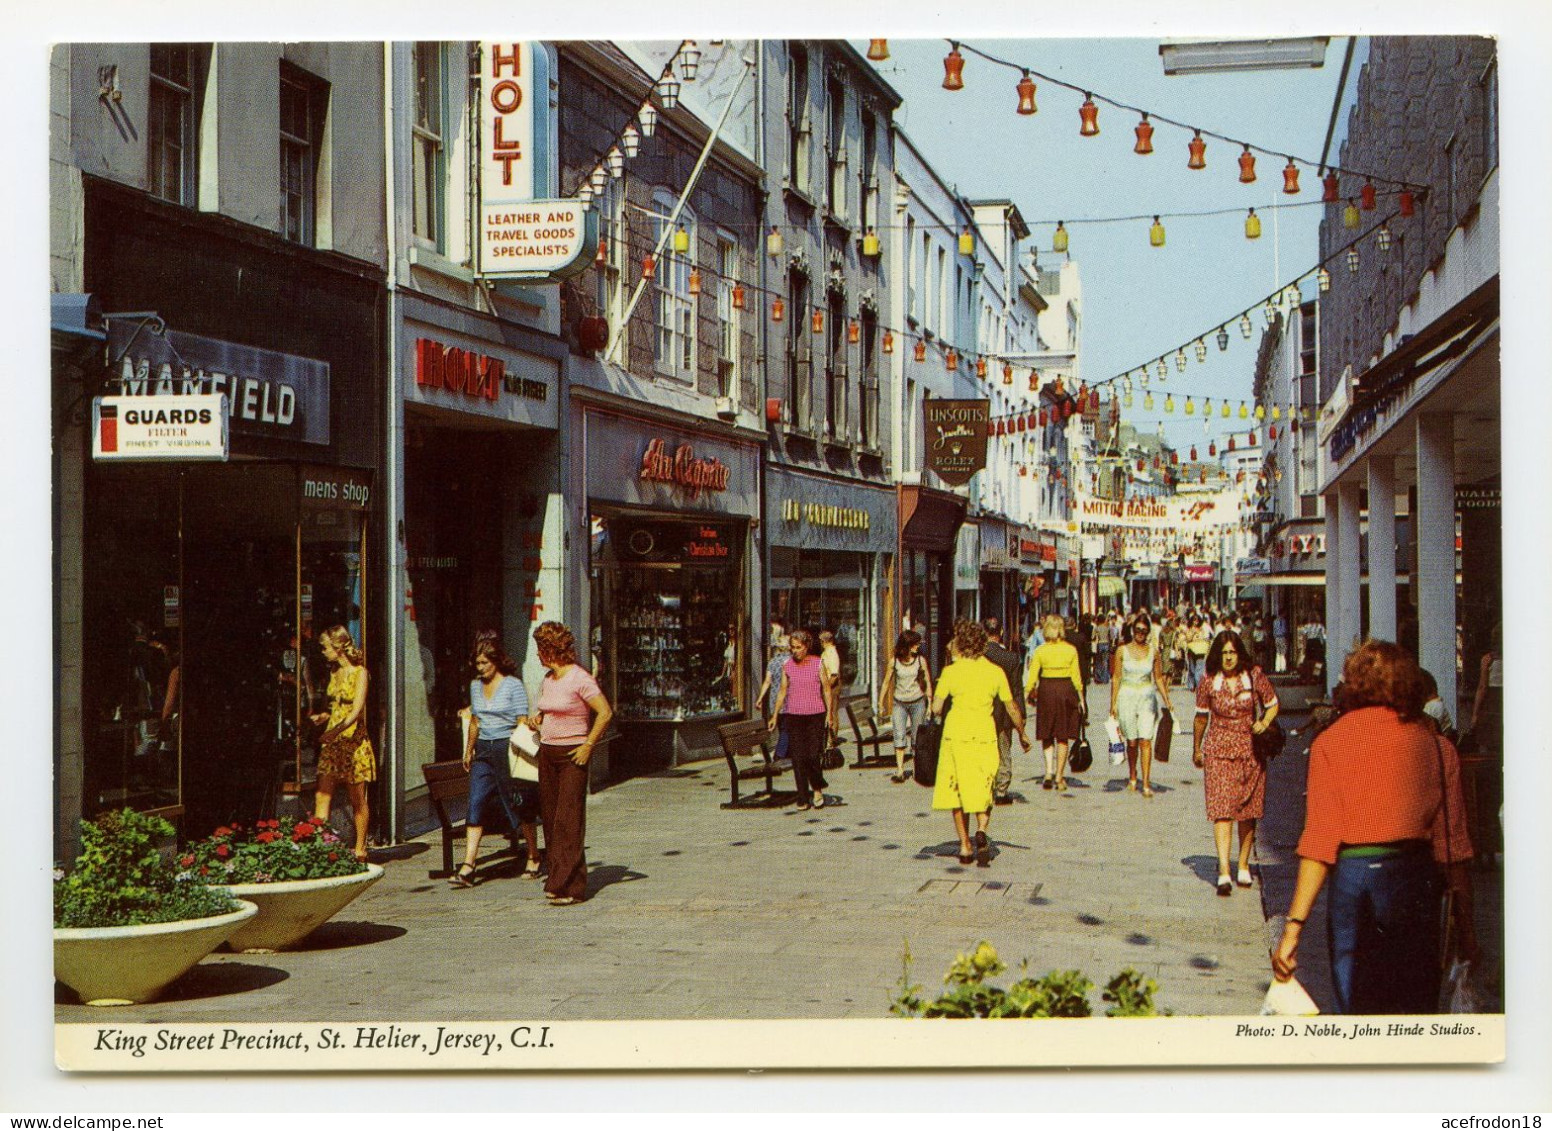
pixel 488 644
pixel 1381 674
pixel 969 639
pixel 555 642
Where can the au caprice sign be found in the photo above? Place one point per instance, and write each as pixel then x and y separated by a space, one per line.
pixel 956 438
pixel 189 427
pixel 521 237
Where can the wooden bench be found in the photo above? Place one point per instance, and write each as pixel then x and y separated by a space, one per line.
pixel 740 740
pixel 867 727
pixel 446 781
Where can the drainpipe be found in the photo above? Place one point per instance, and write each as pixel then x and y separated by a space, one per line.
pixel 393 473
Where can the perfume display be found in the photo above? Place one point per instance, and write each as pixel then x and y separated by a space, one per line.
pixel 673 654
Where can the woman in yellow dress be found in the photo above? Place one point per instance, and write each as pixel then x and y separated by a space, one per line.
pixel 967 758
pixel 345 754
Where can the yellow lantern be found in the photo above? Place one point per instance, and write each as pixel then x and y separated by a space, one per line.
pixel 1252 226
pixel 966 242
pixel 1156 233
pixel 681 240
pixel 1059 239
pixel 1190 407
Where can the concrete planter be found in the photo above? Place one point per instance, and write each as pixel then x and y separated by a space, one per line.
pixel 128 965
pixel 291 910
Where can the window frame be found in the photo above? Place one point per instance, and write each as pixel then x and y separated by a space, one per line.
pixel 675 348
pixel 799 140
pixel 434 139
pixel 164 90
pixel 728 332
pixel 313 92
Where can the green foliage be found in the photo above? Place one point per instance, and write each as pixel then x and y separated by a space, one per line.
pixel 271 852
pixel 1132 994
pixel 121 879
pixel 1061 993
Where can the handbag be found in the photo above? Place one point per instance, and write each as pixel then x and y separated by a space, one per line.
pixel 832 758
pixel 1163 735
pixel 523 753
pixel 1270 742
pixel 929 737
pixel 1081 756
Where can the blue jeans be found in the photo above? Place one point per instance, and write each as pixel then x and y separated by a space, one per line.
pixel 1102 663
pixel 1382 922
pixel 491 784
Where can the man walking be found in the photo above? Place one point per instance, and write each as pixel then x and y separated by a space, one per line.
pixel 1012 667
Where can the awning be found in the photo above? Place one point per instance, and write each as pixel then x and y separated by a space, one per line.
pixel 929 519
pixel 1111 587
pixel 1283 579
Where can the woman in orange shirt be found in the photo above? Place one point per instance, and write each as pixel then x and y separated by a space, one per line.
pixel 1384 810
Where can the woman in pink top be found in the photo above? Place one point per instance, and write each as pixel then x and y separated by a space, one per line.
pixel 803 703
pixel 573 714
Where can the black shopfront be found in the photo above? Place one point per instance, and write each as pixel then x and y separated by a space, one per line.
pixel 203 585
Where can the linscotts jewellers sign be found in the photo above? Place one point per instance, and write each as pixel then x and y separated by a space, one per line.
pixel 956 438
pixel 520 237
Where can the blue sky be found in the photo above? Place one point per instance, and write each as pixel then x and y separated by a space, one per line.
pixel 1139 301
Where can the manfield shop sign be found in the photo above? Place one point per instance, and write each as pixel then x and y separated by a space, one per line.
pixel 522 237
pixel 956 438
pixel 275 396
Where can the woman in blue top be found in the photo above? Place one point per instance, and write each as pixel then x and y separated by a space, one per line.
pixel 497 703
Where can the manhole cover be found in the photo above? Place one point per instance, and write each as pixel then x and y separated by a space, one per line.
pixel 989 889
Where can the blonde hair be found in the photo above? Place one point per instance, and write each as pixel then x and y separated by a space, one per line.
pixel 338 637
pixel 1054 627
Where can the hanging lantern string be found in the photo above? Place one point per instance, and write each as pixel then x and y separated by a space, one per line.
pixel 1089 92
pixel 1238 210
pixel 632 121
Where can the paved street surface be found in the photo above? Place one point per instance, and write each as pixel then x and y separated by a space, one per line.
pixel 702 912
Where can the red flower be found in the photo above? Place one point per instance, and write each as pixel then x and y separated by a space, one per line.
pixel 223 851
pixel 302 831
pixel 222 831
pixel 265 837
pixel 333 856
pixel 187 861
pixel 204 870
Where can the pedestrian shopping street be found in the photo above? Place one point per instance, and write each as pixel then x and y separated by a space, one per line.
pixel 702 912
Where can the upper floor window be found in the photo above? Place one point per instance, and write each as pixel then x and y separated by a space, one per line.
pixel 302 101
pixel 912 273
pixel 867 186
pixel 612 239
pixel 674 345
pixel 727 323
pixel 797 119
pixel 1307 339
pixel 170 123
pixel 835 187
pixel 429 147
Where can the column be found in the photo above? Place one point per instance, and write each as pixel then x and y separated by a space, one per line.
pixel 1382 547
pixel 1435 523
pixel 1343 576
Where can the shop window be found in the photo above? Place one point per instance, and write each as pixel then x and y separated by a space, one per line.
pixel 727 322
pixel 202 618
pixel 674 346
pixel 170 122
pixel 828 590
pixel 302 102
pixel 428 147
pixel 668 616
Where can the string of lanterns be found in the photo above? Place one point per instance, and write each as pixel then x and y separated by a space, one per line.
pixel 1196 147
pixel 627 144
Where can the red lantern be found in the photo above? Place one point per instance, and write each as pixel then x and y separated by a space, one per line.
pixel 1034 381
pixel 997 428
pixel 817 321
pixel 921 349
pixel 695 282
pixel 1045 418
pixel 1212 448
pixel 1231 443
pixel 1057 388
pixel 1291 178
pixel 980 368
pixel 1329 193
pixel 1139 465
pixel 951 363
pixel 648 267
pixel 1007 373
pixel 889 341
pixel 1026 95
pixel 1094 400
pixel 1247 167
pixel 1088 117
pixel 1252 439
pixel 1406 202
pixel 1366 196
pixel 773 410
pixel 1198 149
pixel 878 50
pixel 778 310
pixel 1018 422
pixel 1193 453
pixel 1271 432
pixel 1144 132
pixel 738 296
pixel 603 250
pixel 1032 418
pixel 853 331
pixel 1174 458
pixel 953 69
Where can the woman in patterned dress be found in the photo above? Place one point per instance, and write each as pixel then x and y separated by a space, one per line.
pixel 1234 701
pixel 345 754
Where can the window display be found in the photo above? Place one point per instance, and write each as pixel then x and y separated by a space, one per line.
pixel 666 638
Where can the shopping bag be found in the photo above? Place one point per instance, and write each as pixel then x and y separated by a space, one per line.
pixel 523 753
pixel 1288 999
pixel 929 737
pixel 1117 743
pixel 1165 732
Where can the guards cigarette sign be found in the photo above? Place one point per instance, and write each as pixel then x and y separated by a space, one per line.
pixel 160 428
